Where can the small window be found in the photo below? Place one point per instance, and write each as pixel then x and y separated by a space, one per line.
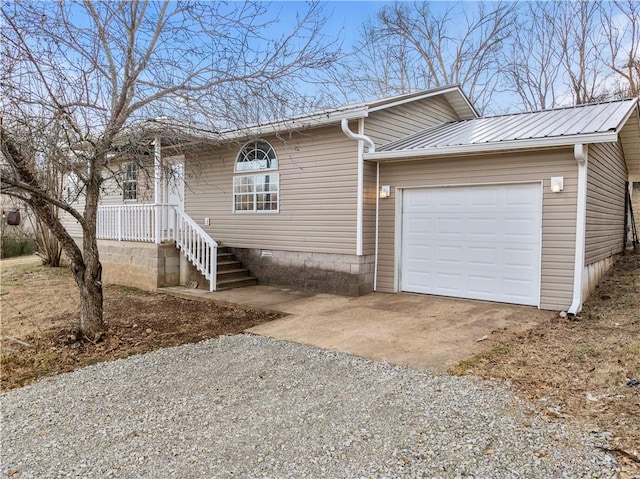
pixel 130 182
pixel 73 187
pixel 256 193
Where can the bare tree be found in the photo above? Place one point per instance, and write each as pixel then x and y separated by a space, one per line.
pixel 91 69
pixel 574 53
pixel 621 29
pixel 579 42
pixel 534 67
pixel 415 46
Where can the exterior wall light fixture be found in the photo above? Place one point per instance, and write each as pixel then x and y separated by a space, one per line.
pixel 557 184
pixel 385 191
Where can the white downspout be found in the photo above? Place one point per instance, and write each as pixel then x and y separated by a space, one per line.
pixel 581 154
pixel 362 138
pixel 375 259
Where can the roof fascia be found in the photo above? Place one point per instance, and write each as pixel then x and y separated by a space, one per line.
pixel 428 94
pixel 607 137
pixel 402 101
pixel 632 108
pixel 295 124
pixel 468 102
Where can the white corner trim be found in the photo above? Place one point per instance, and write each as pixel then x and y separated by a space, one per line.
pixel 397 241
pixel 581 154
pixel 157 170
pixel 375 259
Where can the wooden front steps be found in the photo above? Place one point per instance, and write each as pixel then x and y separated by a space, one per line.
pixel 231 274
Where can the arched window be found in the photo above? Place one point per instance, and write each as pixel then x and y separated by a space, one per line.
pixel 256 193
pixel 256 155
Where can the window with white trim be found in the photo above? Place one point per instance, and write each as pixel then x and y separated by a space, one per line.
pixel 256 193
pixel 130 181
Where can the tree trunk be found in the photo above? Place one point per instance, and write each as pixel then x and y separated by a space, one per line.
pixel 91 300
pixel 91 322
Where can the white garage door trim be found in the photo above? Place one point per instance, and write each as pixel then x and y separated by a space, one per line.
pixel 503 288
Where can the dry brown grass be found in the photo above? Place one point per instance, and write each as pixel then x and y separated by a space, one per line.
pixel 579 369
pixel 39 306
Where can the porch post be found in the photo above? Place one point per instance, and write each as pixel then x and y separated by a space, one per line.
pixel 157 186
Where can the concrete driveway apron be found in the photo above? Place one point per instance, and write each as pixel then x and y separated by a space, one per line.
pixel 408 329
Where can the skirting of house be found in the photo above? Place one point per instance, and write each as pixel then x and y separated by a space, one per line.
pixel 347 275
pixel 147 266
pixel 594 272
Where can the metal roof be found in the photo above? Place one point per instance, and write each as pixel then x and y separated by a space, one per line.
pixel 584 123
pixel 169 126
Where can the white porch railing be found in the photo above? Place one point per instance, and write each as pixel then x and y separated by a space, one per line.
pixel 147 223
pixel 158 223
pixel 197 246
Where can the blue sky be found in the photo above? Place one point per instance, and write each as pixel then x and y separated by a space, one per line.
pixel 345 17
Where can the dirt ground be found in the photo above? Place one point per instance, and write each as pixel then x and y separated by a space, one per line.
pixel 581 369
pixel 39 310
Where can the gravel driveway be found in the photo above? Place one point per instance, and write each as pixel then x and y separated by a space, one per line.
pixel 247 406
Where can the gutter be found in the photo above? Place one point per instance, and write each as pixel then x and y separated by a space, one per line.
pixel 607 137
pixel 581 154
pixel 362 139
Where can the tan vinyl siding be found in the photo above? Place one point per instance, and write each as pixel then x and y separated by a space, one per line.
pixel 606 177
pixel 386 125
pixel 558 210
pixel 318 188
pixel 369 210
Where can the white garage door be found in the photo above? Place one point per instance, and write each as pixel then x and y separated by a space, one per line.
pixel 479 242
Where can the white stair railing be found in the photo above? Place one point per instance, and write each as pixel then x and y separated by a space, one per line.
pixel 197 246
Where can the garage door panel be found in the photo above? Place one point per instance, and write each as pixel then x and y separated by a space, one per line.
pixel 480 242
pixel 483 227
pixel 485 199
pixel 482 284
pixel 520 229
pixel 518 257
pixel 483 256
pixel 522 198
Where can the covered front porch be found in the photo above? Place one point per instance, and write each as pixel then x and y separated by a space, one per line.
pixel 158 224
pixel 151 246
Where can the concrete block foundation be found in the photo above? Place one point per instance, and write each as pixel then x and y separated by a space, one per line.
pixel 346 275
pixel 147 266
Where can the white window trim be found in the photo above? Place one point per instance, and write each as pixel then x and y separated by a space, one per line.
pixel 255 173
pixel 235 165
pixel 126 181
pixel 255 210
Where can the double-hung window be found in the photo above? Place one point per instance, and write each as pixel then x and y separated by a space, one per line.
pixel 256 183
pixel 130 181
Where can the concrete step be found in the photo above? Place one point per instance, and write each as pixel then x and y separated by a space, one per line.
pixel 236 283
pixel 232 274
pixel 228 265
pixel 225 257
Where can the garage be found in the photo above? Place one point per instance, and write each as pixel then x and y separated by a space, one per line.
pixel 477 242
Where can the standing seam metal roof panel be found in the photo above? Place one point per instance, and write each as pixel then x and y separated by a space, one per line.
pixel 568 121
